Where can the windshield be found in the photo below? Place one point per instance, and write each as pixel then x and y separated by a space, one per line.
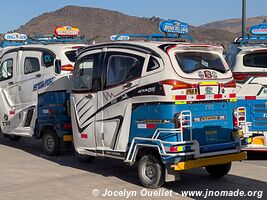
pixel 255 60
pixel 192 61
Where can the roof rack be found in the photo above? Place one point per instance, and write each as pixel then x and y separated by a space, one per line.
pixel 53 39
pixel 150 37
pixel 62 34
pixel 170 29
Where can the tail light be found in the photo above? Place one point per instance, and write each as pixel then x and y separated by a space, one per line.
pixel 67 126
pixel 240 76
pixel 235 121
pixel 180 123
pixel 77 47
pixel 176 85
pixel 231 84
pixel 67 67
pixel 239 116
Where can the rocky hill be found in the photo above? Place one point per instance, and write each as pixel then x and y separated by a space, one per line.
pixel 234 25
pixel 101 23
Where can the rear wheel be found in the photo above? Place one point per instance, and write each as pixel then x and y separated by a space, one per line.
pixel 219 170
pixel 151 171
pixel 50 143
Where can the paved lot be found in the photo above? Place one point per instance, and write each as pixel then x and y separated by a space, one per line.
pixel 27 174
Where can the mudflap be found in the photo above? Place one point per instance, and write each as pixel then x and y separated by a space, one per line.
pixel 171 175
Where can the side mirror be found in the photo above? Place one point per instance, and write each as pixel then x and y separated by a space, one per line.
pixel 57 66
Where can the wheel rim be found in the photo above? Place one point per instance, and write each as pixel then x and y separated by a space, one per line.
pixel 149 171
pixel 50 143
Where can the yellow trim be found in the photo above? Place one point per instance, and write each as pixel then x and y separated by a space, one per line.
pixel 216 160
pixel 233 100
pixel 180 102
pixel 180 148
pixel 260 140
pixel 67 138
pixel 209 83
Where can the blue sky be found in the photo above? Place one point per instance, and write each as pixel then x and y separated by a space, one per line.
pixel 195 12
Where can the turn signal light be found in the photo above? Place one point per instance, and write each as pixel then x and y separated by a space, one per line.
pixel 67 67
pixel 177 84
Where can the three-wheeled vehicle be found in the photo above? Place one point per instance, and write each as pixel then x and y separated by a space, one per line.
pixel 167 106
pixel 247 58
pixel 35 88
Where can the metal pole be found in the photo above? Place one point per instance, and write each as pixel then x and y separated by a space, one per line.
pixel 244 17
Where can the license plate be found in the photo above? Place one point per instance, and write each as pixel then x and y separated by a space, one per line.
pixel 208 88
pixel 209 118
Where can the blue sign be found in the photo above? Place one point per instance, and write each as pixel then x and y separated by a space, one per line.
pixel 260 29
pixel 119 37
pixel 15 37
pixel 173 26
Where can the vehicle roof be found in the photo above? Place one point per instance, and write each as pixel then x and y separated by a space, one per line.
pixel 153 45
pixel 52 47
pixel 249 47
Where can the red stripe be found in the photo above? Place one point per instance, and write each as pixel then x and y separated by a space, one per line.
pixel 201 96
pixel 250 97
pixel 180 97
pixel 152 126
pixel 12 112
pixel 195 85
pixel 66 126
pixel 232 95
pixel 84 136
pixel 217 96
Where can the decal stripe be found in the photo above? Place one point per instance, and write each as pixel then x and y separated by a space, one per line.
pixel 180 97
pixel 85 112
pixel 84 136
pixel 250 97
pixel 218 96
pixel 146 126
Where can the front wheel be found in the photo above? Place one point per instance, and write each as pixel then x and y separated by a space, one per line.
pixel 50 143
pixel 151 171
pixel 218 170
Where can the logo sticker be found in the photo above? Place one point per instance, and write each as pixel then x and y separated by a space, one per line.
pixel 66 31
pixel 173 26
pixel 208 74
pixel 209 90
pixel 15 37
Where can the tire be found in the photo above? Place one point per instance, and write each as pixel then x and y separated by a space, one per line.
pixel 218 170
pixel 151 171
pixel 85 158
pixel 13 137
pixel 50 143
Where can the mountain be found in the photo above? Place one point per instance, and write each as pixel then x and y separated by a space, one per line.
pixel 234 25
pixel 100 23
